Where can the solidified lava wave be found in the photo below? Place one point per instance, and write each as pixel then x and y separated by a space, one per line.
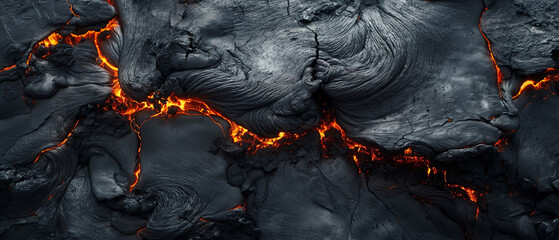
pixel 278 119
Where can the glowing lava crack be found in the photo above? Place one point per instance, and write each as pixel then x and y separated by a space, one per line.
pixel 550 76
pixel 173 105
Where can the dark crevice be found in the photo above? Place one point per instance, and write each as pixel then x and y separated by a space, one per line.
pixel 316 46
pixel 382 201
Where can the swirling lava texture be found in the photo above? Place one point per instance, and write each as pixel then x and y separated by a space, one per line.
pixel 279 119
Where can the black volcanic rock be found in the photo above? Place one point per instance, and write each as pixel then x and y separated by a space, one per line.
pixel 27 22
pixel 523 34
pixel 187 180
pixel 393 121
pixel 255 74
pixel 398 86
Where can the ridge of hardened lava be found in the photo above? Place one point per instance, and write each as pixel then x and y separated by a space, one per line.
pixel 252 143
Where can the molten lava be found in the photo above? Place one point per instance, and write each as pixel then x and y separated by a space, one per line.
pixel 72 9
pixel 137 175
pixel 59 144
pixel 551 75
pixel 500 75
pixel 358 151
pixel 173 105
pixel 51 40
pixel 239 207
pixel 8 68
pixel 471 194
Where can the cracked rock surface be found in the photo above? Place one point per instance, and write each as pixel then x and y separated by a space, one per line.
pixel 279 119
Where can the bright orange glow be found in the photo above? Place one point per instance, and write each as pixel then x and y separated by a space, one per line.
pixel 356 149
pixel 138 168
pixel 500 75
pixel 51 40
pixel 409 159
pixel 408 151
pixel 472 194
pixel 95 35
pixel 137 174
pixel 59 144
pixel 173 105
pixel 458 191
pixel 328 129
pixel 8 68
pixel 542 84
pixel 239 207
pixel 435 171
pixel 72 10
pixel 54 39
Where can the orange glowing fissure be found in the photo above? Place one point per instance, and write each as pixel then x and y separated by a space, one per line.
pixel 172 105
pixel 500 75
pixel 8 68
pixel 57 145
pixel 358 150
pixel 472 194
pixel 138 167
pixel 457 190
pixel 137 175
pixel 126 106
pixel 551 76
pixel 551 73
pixel 54 39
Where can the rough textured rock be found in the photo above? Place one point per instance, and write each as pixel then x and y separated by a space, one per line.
pixel 253 73
pixel 27 22
pixel 188 180
pixel 392 119
pixel 399 86
pixel 524 34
